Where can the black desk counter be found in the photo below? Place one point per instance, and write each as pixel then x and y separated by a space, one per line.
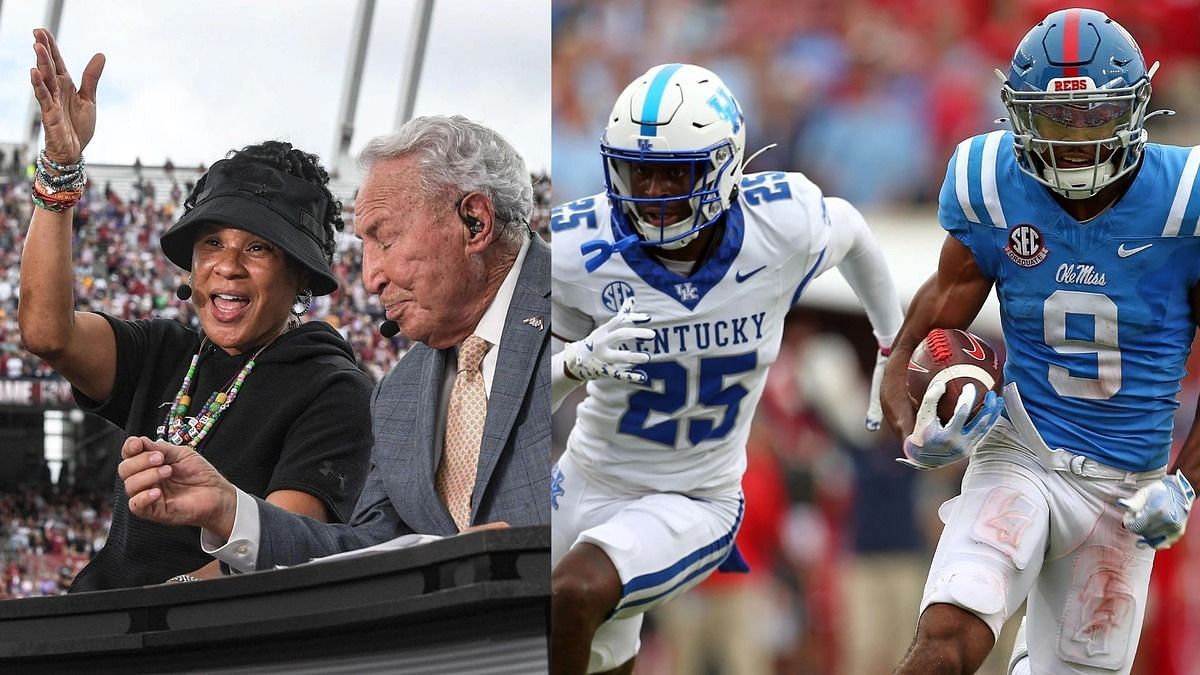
pixel 475 603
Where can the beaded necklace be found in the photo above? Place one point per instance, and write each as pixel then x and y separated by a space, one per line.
pixel 190 431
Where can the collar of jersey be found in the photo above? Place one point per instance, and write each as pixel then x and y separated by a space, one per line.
pixel 704 279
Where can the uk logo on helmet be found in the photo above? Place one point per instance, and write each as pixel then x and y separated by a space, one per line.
pixel 645 145
pixel 727 108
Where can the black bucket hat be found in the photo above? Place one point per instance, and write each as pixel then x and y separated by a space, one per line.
pixel 281 208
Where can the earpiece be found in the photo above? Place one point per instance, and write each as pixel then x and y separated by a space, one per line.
pixel 474 226
pixel 472 223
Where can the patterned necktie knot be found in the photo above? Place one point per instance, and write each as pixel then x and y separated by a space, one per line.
pixel 471 353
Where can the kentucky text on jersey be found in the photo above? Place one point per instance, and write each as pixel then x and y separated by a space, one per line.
pixel 703 335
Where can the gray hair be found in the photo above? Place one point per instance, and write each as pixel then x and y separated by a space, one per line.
pixel 456 155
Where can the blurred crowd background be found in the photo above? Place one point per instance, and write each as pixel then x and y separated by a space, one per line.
pixel 48 531
pixel 839 84
pixel 868 98
pixel 48 534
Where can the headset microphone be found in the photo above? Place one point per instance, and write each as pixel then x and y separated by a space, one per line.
pixel 389 329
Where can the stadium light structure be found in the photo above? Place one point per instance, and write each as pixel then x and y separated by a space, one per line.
pixel 414 62
pixel 352 85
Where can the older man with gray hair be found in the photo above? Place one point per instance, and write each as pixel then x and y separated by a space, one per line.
pixel 462 422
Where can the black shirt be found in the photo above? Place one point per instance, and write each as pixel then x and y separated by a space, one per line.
pixel 301 421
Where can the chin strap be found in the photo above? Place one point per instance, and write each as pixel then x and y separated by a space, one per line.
pixel 604 250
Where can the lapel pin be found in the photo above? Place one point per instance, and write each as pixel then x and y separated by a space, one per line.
pixel 535 321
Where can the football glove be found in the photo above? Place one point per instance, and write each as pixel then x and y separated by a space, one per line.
pixel 1158 512
pixel 601 354
pixel 932 445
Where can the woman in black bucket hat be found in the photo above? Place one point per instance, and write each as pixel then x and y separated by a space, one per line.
pixel 278 406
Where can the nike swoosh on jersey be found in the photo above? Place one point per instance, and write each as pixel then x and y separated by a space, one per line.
pixel 739 277
pixel 1126 252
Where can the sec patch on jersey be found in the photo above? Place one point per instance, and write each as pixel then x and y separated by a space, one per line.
pixel 957 358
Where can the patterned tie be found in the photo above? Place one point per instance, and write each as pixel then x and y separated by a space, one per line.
pixel 464 431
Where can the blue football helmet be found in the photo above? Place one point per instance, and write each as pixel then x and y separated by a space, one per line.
pixel 682 115
pixel 1076 95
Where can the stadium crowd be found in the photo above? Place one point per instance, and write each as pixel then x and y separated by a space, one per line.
pixel 48 534
pixel 890 84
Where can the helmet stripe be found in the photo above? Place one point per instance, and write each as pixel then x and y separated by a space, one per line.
pixel 654 97
pixel 1071 43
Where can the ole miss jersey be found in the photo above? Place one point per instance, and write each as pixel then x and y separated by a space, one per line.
pixel 1096 314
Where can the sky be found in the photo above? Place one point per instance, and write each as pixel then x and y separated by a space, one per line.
pixel 191 80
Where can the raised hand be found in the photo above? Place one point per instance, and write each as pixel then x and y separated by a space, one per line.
pixel 932 446
pixel 1159 512
pixel 600 354
pixel 174 485
pixel 68 113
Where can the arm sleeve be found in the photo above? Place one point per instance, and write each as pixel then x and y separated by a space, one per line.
pixel 327 449
pixel 241 551
pixel 955 200
pixel 139 346
pixel 566 322
pixel 289 539
pixel 856 253
pixel 560 384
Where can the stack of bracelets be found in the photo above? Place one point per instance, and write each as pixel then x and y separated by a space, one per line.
pixel 60 192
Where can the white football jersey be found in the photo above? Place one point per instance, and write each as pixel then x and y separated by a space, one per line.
pixel 716 332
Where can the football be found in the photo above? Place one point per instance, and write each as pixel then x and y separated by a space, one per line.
pixel 958 358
